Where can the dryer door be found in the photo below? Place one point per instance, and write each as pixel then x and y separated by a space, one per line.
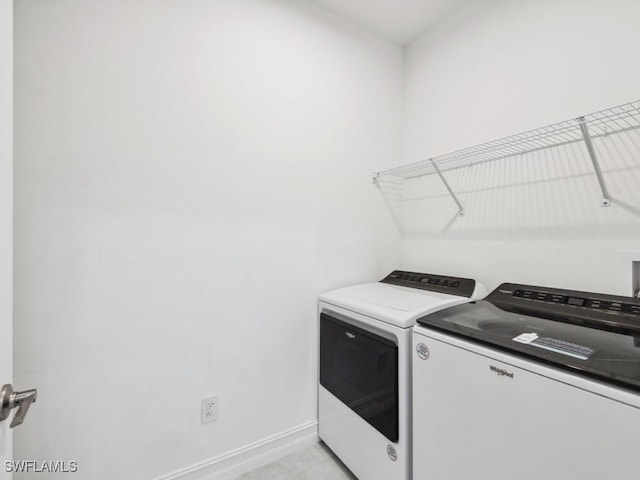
pixel 361 369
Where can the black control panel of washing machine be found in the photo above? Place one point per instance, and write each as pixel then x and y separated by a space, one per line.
pixel 462 287
pixel 588 334
pixel 594 310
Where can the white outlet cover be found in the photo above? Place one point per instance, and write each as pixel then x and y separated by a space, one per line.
pixel 209 409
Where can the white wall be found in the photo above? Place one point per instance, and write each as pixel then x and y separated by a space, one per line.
pixel 190 175
pixel 6 214
pixel 500 67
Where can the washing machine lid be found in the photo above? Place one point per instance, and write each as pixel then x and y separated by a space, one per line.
pixel 402 297
pixel 595 335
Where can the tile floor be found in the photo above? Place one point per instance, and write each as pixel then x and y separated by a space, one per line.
pixel 315 462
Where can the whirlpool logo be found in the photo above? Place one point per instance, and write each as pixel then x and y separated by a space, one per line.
pixel 500 371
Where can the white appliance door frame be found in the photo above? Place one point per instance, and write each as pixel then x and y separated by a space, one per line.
pixel 6 218
pixel 363 449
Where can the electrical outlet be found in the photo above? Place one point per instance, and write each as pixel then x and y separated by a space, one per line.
pixel 209 409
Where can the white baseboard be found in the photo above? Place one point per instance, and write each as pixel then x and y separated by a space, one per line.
pixel 232 464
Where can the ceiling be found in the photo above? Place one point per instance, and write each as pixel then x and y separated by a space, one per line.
pixel 401 21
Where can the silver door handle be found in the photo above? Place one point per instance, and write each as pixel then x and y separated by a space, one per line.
pixel 10 400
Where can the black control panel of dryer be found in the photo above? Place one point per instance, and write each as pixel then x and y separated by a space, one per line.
pixel 463 287
pixel 595 310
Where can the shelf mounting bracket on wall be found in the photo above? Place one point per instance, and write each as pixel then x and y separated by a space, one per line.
pixel 606 199
pixel 446 184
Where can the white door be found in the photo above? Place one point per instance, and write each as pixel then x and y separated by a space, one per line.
pixel 6 206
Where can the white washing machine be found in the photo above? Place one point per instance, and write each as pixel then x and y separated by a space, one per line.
pixel 530 383
pixel 364 398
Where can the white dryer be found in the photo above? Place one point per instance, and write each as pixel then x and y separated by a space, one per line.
pixel 364 398
pixel 531 383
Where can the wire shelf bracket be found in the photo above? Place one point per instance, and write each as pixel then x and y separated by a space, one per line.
pixel 606 198
pixel 446 184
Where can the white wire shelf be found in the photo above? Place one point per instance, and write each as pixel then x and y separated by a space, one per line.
pixel 583 130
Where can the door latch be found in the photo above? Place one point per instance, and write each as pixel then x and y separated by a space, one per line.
pixel 10 400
